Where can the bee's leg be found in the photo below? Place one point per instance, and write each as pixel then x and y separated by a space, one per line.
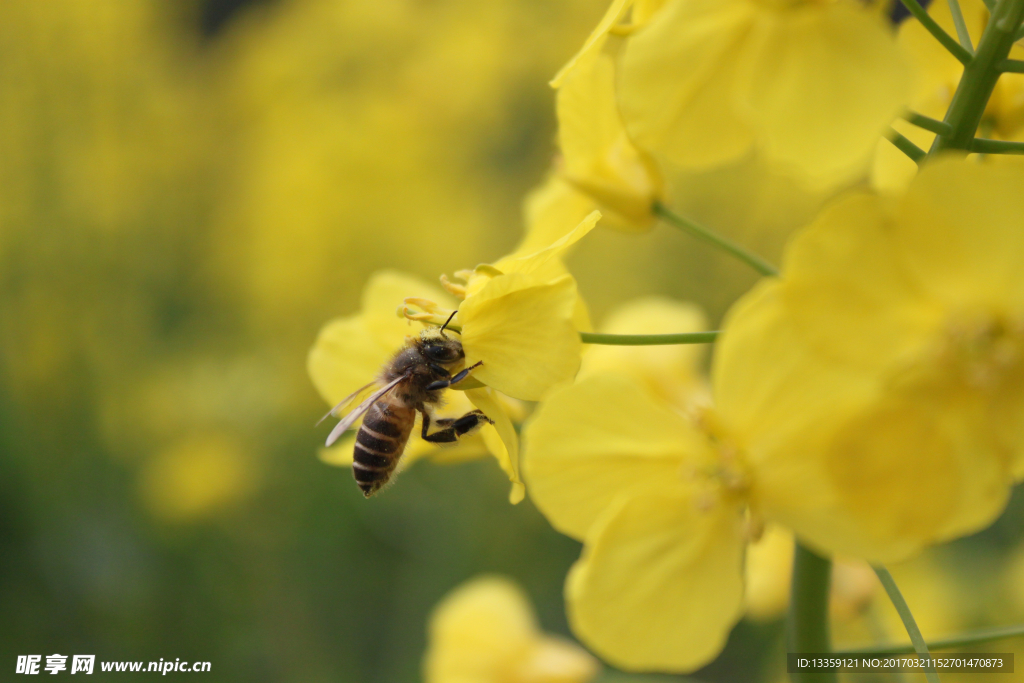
pixel 450 429
pixel 464 373
pixel 445 383
pixel 439 370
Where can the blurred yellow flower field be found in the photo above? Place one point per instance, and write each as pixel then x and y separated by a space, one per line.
pixel 729 292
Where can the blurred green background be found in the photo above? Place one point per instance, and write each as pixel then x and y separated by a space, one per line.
pixel 188 191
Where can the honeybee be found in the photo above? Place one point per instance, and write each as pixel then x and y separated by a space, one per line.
pixel 412 381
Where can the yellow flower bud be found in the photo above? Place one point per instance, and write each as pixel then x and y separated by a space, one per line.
pixel 485 632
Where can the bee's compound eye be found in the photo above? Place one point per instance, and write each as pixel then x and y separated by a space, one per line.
pixel 440 354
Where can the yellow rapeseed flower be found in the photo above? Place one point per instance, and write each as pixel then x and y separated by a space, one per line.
pixel 520 316
pixel 870 400
pixel 812 85
pixel 598 158
pixel 639 13
pixel 659 584
pixel 350 351
pixel 485 632
pixel 876 391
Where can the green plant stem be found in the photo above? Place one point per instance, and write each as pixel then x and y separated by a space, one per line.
pixel 928 123
pixel 1015 66
pixel 920 647
pixel 970 638
pixel 649 339
pixel 985 146
pixel 712 237
pixel 948 41
pixel 807 629
pixel 961 25
pixel 903 144
pixel 979 78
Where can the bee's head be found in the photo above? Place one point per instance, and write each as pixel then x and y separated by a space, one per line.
pixel 440 348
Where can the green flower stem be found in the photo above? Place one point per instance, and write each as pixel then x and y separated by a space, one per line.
pixel 1015 66
pixel 920 647
pixel 649 339
pixel 985 146
pixel 970 638
pixel 961 25
pixel 807 625
pixel 948 41
pixel 928 123
pixel 712 237
pixel 980 76
pixel 916 154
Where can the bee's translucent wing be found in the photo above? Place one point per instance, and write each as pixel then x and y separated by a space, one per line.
pixel 343 402
pixel 351 418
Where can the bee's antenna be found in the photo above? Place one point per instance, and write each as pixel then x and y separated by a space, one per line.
pixel 448 321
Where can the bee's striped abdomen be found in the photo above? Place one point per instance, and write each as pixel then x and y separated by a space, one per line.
pixel 379 444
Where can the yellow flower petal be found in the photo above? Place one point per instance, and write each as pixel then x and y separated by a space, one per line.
pixel 671 372
pixel 485 632
pixel 659 585
pixel 544 264
pixel 341 453
pixel 600 438
pixel 522 332
pixel 346 356
pixel 600 160
pixel 977 259
pixel 769 568
pixel 535 263
pixel 548 210
pixel 384 293
pixel 961 477
pixel 588 119
pixel 828 426
pixel 507 451
pixel 780 403
pixel 677 82
pixel 477 631
pixel 877 313
pixel 643 10
pixel 891 169
pixel 758 356
pixel 595 41
pixel 556 660
pixel 581 316
pixel 822 82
